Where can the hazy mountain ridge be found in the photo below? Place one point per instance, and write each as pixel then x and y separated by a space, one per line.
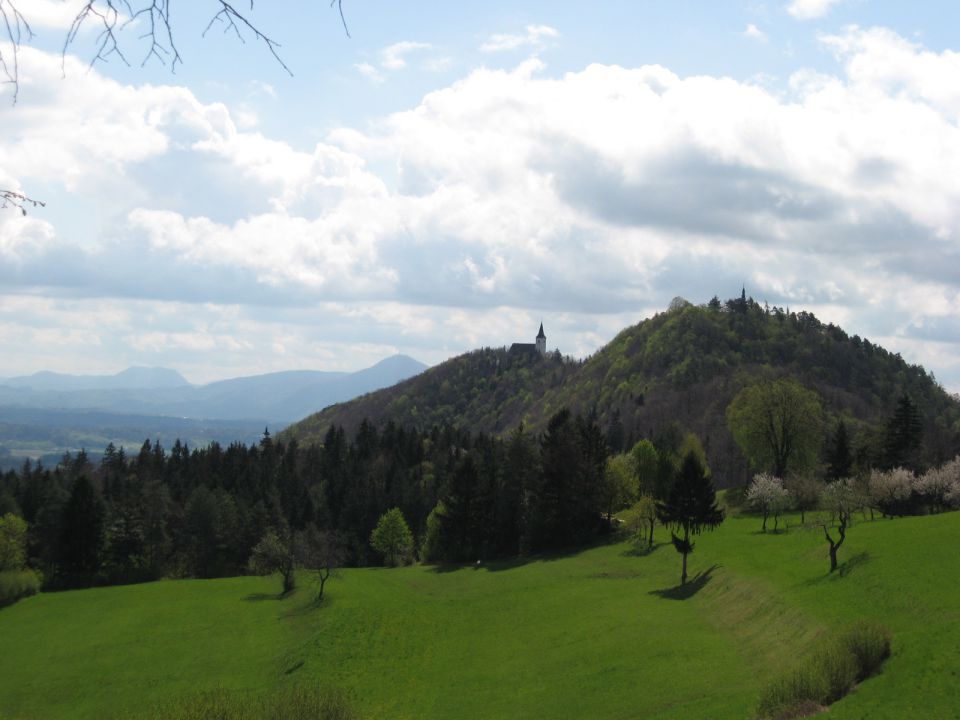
pixel 683 365
pixel 279 397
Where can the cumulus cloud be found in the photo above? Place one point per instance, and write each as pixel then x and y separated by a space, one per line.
pixel 394 58
pixel 755 33
pixel 810 9
pixel 595 196
pixel 536 36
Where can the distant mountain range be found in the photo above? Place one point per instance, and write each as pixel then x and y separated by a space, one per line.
pixel 280 397
pixel 46 414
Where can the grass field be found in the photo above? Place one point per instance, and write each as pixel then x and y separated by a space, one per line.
pixel 599 634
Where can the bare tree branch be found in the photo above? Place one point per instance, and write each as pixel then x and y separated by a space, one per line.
pixel 10 198
pixel 113 16
pixel 16 27
pixel 234 20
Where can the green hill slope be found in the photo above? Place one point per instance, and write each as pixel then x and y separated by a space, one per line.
pixel 684 365
pixel 597 634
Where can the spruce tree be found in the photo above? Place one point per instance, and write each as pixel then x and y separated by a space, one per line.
pixel 903 436
pixel 690 508
pixel 840 458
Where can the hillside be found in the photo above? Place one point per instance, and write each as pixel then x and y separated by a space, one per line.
pixel 596 634
pixel 683 365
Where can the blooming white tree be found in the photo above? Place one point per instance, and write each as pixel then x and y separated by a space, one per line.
pixel 940 487
pixel 889 490
pixel 767 496
pixel 841 499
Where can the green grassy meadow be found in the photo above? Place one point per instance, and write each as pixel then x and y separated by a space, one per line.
pixel 602 633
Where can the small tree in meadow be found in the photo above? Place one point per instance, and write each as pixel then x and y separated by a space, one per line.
pixel 804 493
pixel 646 519
pixel 691 506
pixel 767 496
pixel 392 537
pixel 322 552
pixel 840 498
pixel 273 554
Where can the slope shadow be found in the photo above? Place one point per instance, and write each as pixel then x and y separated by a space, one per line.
pixel 691 588
pixel 501 564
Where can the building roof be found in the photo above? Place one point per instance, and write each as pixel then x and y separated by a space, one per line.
pixel 523 348
pixel 540 335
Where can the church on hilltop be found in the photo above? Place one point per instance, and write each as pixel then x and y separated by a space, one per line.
pixel 540 346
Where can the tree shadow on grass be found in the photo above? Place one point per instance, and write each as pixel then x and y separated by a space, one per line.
pixel 843 569
pixel 260 597
pixel 510 563
pixel 641 550
pixel 687 591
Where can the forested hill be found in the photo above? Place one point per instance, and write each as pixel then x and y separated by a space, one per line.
pixel 683 366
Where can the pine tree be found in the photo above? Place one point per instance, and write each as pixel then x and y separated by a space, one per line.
pixel 690 508
pixel 903 436
pixel 840 458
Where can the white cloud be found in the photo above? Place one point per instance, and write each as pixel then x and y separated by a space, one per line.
pixel 810 9
pixel 755 33
pixel 369 71
pixel 58 14
pixel 536 36
pixel 393 56
pixel 595 196
pixel 392 59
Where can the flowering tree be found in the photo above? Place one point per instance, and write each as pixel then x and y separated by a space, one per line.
pixel 840 498
pixel 888 491
pixel 767 496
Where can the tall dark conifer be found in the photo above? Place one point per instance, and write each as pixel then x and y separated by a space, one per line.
pixel 903 436
pixel 840 456
pixel 81 531
pixel 690 508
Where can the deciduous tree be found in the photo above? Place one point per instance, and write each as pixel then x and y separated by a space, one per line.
pixel 777 425
pixel 13 542
pixel 392 537
pixel 767 496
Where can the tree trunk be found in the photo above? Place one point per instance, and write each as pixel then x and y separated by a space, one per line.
pixel 765 514
pixel 650 543
pixel 833 556
pixel 686 544
pixel 322 575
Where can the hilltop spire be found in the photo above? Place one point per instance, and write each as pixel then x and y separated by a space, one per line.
pixel 541 340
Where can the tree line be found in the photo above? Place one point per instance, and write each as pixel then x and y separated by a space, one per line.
pixel 201 512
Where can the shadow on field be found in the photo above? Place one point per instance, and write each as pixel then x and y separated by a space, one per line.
pixel 641 550
pixel 260 597
pixel 501 564
pixel 843 569
pixel 691 588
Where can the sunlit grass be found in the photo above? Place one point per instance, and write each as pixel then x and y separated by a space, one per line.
pixel 601 633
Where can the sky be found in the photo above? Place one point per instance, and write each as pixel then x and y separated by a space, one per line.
pixel 449 175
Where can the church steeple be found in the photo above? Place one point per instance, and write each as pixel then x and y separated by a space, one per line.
pixel 541 341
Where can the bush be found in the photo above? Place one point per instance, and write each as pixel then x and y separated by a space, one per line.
pixel 292 703
pixel 16 584
pixel 869 641
pixel 829 673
